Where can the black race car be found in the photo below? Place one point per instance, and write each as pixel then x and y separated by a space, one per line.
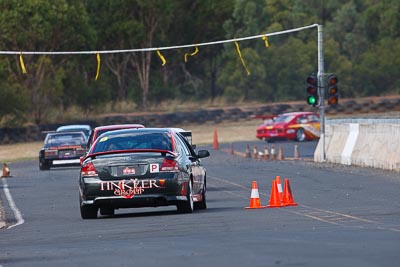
pixel 146 167
pixel 62 149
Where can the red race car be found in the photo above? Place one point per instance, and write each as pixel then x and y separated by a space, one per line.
pixel 299 126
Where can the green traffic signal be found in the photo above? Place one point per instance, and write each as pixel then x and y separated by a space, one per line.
pixel 311 100
pixel 312 90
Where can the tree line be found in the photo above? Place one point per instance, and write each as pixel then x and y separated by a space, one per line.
pixel 361 46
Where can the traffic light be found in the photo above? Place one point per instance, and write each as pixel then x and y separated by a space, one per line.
pixel 333 91
pixel 312 90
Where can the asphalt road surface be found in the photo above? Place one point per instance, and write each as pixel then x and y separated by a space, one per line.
pixel 346 216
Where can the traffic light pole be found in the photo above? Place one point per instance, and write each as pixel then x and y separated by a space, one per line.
pixel 321 92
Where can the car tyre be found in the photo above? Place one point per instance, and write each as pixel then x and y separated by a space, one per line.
pixel 300 135
pixel 107 211
pixel 88 212
pixel 44 165
pixel 188 205
pixel 201 205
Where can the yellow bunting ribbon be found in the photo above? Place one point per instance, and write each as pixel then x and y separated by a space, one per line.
pixel 241 58
pixel 21 61
pixel 98 66
pixel 265 38
pixel 192 54
pixel 161 57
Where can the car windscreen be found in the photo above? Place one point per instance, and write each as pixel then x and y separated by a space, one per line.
pixel 100 132
pixel 129 141
pixel 284 118
pixel 84 131
pixel 313 118
pixel 65 139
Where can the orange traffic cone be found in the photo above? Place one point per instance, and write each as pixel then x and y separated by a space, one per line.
pixel 5 170
pixel 287 195
pixel 272 156
pixel 255 152
pixel 215 144
pixel 274 200
pixel 255 198
pixel 266 153
pixel 279 186
pixel 247 153
pixel 296 152
pixel 280 153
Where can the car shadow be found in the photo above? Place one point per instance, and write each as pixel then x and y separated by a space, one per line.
pixel 131 214
pixel 128 213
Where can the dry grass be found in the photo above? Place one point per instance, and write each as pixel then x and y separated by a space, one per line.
pixel 202 134
pixel 226 132
pixel 20 151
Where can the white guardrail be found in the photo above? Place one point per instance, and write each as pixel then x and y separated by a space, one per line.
pixel 362 142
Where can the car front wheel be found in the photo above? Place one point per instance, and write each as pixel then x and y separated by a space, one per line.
pixel 300 135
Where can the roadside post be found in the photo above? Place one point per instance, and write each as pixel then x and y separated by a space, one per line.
pixel 321 89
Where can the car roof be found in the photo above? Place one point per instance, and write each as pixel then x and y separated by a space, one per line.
pixel 74 126
pixel 118 126
pixel 299 113
pixel 126 131
pixel 65 133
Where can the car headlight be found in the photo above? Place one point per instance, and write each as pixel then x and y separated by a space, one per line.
pixel 290 131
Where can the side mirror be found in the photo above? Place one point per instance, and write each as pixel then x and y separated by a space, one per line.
pixel 203 154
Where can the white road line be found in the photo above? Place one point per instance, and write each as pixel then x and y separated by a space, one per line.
pixel 326 216
pixel 229 182
pixel 11 203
